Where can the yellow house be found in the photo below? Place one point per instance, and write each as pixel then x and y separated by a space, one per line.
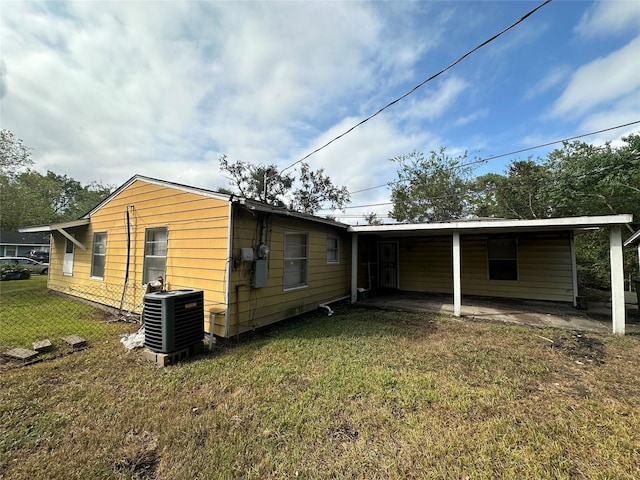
pixel 256 264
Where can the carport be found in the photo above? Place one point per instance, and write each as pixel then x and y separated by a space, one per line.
pixel 551 239
pixel 543 314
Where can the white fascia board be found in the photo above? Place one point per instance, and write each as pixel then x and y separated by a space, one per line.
pixel 635 238
pixel 55 226
pixel 540 223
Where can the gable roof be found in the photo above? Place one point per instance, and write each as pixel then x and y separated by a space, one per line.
pixel 163 183
pixel 232 198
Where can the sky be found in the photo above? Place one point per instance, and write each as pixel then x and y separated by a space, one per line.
pixel 104 90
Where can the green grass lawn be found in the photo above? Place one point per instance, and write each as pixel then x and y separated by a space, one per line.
pixel 362 395
pixel 29 312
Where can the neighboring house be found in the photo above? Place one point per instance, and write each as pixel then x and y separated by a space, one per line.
pixel 256 264
pixel 19 244
pixel 527 259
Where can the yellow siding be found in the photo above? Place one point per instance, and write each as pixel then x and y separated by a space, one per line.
pixel 425 265
pixel 255 307
pixel 544 270
pixel 544 267
pixel 196 248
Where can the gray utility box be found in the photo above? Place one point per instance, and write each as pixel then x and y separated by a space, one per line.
pixel 260 273
pixel 173 320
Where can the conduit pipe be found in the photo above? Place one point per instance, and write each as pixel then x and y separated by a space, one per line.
pixel 326 304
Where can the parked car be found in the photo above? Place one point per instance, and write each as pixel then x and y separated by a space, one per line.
pixel 14 272
pixel 39 256
pixel 32 265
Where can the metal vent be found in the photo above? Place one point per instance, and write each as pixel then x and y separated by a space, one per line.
pixel 173 320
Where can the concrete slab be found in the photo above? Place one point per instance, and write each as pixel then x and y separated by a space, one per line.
pixel 42 346
pixel 524 312
pixel 21 354
pixel 75 341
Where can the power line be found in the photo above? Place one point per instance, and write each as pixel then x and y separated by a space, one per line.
pixel 487 159
pixel 478 47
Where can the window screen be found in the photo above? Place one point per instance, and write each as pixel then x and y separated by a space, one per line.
pixel 295 260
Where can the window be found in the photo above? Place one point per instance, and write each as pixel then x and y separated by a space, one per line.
pixel 155 254
pixel 502 255
pixel 332 250
pixel 99 255
pixel 295 260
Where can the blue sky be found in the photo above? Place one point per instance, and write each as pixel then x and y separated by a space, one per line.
pixel 104 90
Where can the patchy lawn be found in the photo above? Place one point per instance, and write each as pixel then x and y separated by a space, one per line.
pixel 30 312
pixel 362 395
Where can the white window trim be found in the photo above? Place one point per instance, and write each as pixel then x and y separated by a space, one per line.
pixel 145 256
pixel 337 250
pixel 93 255
pixel 285 258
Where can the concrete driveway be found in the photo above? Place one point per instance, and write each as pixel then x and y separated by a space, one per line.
pixel 597 318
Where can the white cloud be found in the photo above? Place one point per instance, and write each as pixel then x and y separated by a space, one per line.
pixel 610 17
pixel 555 77
pixel 472 117
pixel 433 103
pixel 112 89
pixel 602 80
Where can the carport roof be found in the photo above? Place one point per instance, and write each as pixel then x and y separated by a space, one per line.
pixel 575 224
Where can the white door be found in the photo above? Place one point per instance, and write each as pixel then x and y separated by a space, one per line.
pixel 67 262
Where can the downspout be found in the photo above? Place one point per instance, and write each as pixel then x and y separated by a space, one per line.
pixel 227 279
pixel 354 267
pixel 574 269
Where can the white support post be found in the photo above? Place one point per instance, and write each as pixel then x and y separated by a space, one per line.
pixel 457 294
pixel 617 280
pixel 574 270
pixel 354 267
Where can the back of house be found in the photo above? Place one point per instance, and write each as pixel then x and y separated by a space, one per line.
pixel 256 264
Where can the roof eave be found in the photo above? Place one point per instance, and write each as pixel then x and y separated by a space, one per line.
pixel 559 223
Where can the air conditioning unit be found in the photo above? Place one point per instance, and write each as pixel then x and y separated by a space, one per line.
pixel 173 320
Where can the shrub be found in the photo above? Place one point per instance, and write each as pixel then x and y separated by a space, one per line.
pixel 14 272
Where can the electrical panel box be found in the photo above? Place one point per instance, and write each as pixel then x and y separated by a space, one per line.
pixel 246 254
pixel 260 273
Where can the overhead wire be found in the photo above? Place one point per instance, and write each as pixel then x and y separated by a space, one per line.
pixel 494 157
pixel 421 84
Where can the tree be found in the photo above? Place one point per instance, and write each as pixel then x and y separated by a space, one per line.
pixel 315 189
pixel 30 198
pixel 520 193
pixel 14 155
pixel 431 189
pixel 257 182
pixel 372 219
pixel 595 180
pixel 266 183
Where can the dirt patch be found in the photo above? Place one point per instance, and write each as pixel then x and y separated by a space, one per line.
pixel 581 347
pixel 344 433
pixel 139 456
